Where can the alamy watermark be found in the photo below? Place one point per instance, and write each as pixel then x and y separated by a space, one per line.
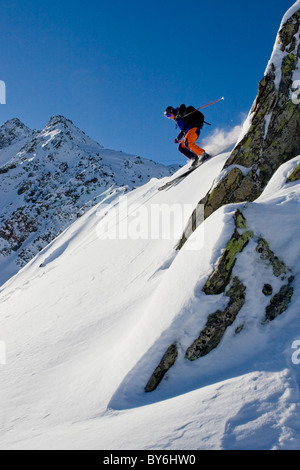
pixel 296 92
pixel 124 221
pixel 2 92
pixel 296 353
pixel 2 353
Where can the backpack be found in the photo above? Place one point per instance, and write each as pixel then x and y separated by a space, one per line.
pixel 193 116
pixel 198 118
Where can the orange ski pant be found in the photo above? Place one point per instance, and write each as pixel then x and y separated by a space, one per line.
pixel 188 146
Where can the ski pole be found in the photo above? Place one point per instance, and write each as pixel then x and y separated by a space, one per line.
pixel 213 102
pixel 204 106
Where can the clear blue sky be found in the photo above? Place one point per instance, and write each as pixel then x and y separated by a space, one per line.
pixel 113 66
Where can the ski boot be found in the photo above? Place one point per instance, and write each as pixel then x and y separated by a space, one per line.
pixel 205 156
pixel 196 162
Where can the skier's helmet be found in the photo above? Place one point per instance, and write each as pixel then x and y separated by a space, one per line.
pixel 169 110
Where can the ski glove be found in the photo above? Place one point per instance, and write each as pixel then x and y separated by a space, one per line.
pixel 179 137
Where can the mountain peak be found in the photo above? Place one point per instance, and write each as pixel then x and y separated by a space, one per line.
pixel 63 129
pixel 15 125
pixel 59 119
pixel 13 131
pixel 54 176
pixel 13 122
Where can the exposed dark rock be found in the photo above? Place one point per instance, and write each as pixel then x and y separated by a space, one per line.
pixel 267 289
pixel 295 175
pixel 196 219
pixel 5 169
pixel 16 232
pixel 288 31
pixel 274 134
pixel 279 267
pixel 220 277
pixel 166 362
pixel 218 322
pixel 239 219
pixel 280 302
pixel 222 192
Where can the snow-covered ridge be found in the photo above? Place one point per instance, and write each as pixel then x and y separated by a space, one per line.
pixel 13 131
pixel 13 135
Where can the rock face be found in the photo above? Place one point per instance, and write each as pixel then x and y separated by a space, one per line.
pixel 275 118
pixel 280 302
pixel 295 175
pixel 273 135
pixel 166 362
pixel 272 138
pixel 221 275
pixel 218 322
pixel 279 268
pixel 223 280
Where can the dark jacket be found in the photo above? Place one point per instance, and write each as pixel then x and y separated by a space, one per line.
pixel 187 118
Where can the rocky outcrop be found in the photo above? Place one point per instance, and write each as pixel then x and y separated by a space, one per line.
pixel 194 221
pixel 166 362
pixel 221 275
pixel 275 118
pixel 223 280
pixel 295 175
pixel 220 195
pixel 218 322
pixel 279 267
pixel 280 302
pixel 273 135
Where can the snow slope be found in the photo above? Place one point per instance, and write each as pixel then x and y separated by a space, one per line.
pixel 87 320
pixel 50 177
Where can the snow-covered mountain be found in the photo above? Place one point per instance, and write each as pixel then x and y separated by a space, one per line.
pixel 13 135
pixel 49 178
pixel 149 325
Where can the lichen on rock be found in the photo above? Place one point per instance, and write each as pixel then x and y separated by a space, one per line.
pixel 274 134
pixel 288 32
pixel 218 322
pixel 295 175
pixel 222 192
pixel 221 275
pixel 273 137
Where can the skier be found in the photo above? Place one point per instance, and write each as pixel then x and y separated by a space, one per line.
pixel 190 121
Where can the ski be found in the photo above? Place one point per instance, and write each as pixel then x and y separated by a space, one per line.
pixel 181 177
pixel 175 180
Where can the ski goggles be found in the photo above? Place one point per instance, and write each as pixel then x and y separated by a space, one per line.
pixel 169 111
